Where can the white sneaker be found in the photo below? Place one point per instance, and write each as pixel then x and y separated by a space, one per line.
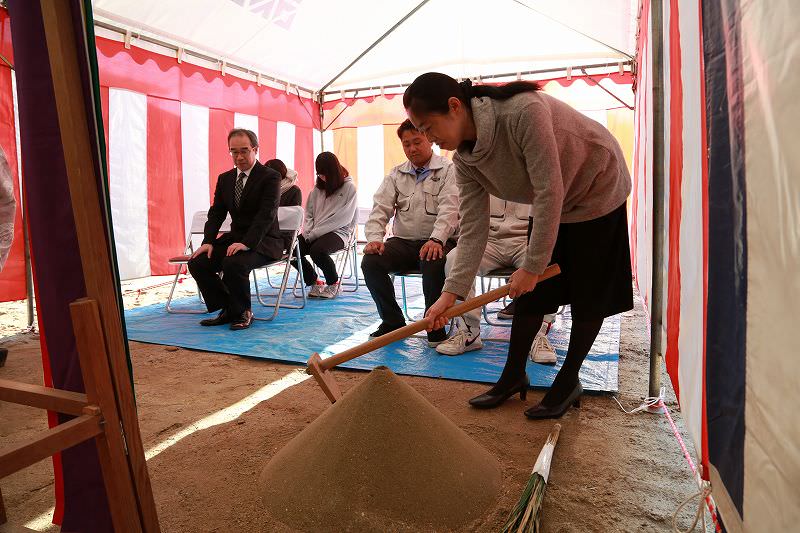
pixel 316 291
pixel 542 351
pixel 330 291
pixel 460 343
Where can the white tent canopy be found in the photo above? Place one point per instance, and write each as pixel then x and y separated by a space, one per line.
pixel 308 43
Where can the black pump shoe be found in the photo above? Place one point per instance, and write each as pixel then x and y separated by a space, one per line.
pixel 538 412
pixel 494 398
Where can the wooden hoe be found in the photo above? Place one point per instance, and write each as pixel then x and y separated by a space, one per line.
pixel 321 368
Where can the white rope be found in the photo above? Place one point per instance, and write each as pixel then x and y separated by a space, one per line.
pixel 651 401
pixel 648 402
pixel 697 516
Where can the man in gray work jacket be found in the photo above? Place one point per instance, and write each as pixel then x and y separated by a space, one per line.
pixel 422 196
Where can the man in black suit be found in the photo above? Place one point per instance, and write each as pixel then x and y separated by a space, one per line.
pixel 250 193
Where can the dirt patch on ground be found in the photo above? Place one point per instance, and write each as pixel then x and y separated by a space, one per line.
pixel 611 471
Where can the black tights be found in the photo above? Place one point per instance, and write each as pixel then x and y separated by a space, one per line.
pixel 523 330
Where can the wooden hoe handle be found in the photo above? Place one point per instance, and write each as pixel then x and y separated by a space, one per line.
pixel 416 327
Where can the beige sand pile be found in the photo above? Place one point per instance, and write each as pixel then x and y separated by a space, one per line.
pixel 380 459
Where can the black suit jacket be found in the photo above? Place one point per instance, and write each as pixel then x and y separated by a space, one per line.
pixel 255 222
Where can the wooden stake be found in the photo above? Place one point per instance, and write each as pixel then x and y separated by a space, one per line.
pixel 320 368
pixel 99 390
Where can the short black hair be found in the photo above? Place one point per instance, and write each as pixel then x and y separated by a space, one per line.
pixel 241 131
pixel 277 164
pixel 406 126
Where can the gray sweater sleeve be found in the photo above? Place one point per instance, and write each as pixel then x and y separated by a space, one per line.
pixel 534 133
pixel 308 219
pixel 474 214
pixel 338 212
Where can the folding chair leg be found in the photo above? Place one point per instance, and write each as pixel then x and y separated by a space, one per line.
pixel 169 307
pixel 352 270
pixel 276 306
pixel 405 300
pixel 287 268
pixel 353 263
pixel 484 310
pixel 269 279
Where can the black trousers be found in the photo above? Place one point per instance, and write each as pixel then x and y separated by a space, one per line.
pixel 232 291
pixel 320 251
pixel 401 255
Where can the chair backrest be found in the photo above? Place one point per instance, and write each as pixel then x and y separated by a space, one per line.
pixel 290 218
pixel 226 224
pixel 199 223
pixel 362 215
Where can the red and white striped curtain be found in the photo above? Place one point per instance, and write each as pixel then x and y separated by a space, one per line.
pixel 166 128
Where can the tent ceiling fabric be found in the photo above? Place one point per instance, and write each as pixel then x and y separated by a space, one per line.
pixel 308 42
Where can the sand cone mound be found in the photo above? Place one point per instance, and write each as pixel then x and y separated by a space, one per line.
pixel 380 459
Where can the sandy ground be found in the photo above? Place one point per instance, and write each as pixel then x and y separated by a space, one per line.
pixel 611 471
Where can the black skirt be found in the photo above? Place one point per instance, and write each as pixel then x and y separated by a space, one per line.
pixel 595 261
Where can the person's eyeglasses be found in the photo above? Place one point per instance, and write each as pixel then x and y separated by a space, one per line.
pixel 243 151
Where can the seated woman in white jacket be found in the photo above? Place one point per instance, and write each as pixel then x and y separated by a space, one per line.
pixel 330 212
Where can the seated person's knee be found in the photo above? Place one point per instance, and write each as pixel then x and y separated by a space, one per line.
pixel 196 263
pixel 437 265
pixel 370 263
pixel 230 265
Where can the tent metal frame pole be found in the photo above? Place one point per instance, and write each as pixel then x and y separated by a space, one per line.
pixel 656 305
pixel 373 45
pixel 570 28
pixel 320 101
pixel 194 53
pixel 504 75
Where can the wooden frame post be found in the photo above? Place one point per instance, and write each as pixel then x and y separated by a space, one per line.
pixel 100 391
pixel 96 417
pixel 65 59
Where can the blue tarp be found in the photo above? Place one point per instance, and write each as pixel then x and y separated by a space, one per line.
pixel 331 326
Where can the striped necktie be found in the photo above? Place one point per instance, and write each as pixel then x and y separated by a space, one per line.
pixel 237 191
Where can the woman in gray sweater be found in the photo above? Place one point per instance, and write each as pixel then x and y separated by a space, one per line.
pixel 519 144
pixel 329 221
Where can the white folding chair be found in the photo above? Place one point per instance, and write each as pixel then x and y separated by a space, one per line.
pixel 403 298
pixel 195 231
pixel 290 218
pixel 348 256
pixel 499 274
pixel 487 280
pixel 362 216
